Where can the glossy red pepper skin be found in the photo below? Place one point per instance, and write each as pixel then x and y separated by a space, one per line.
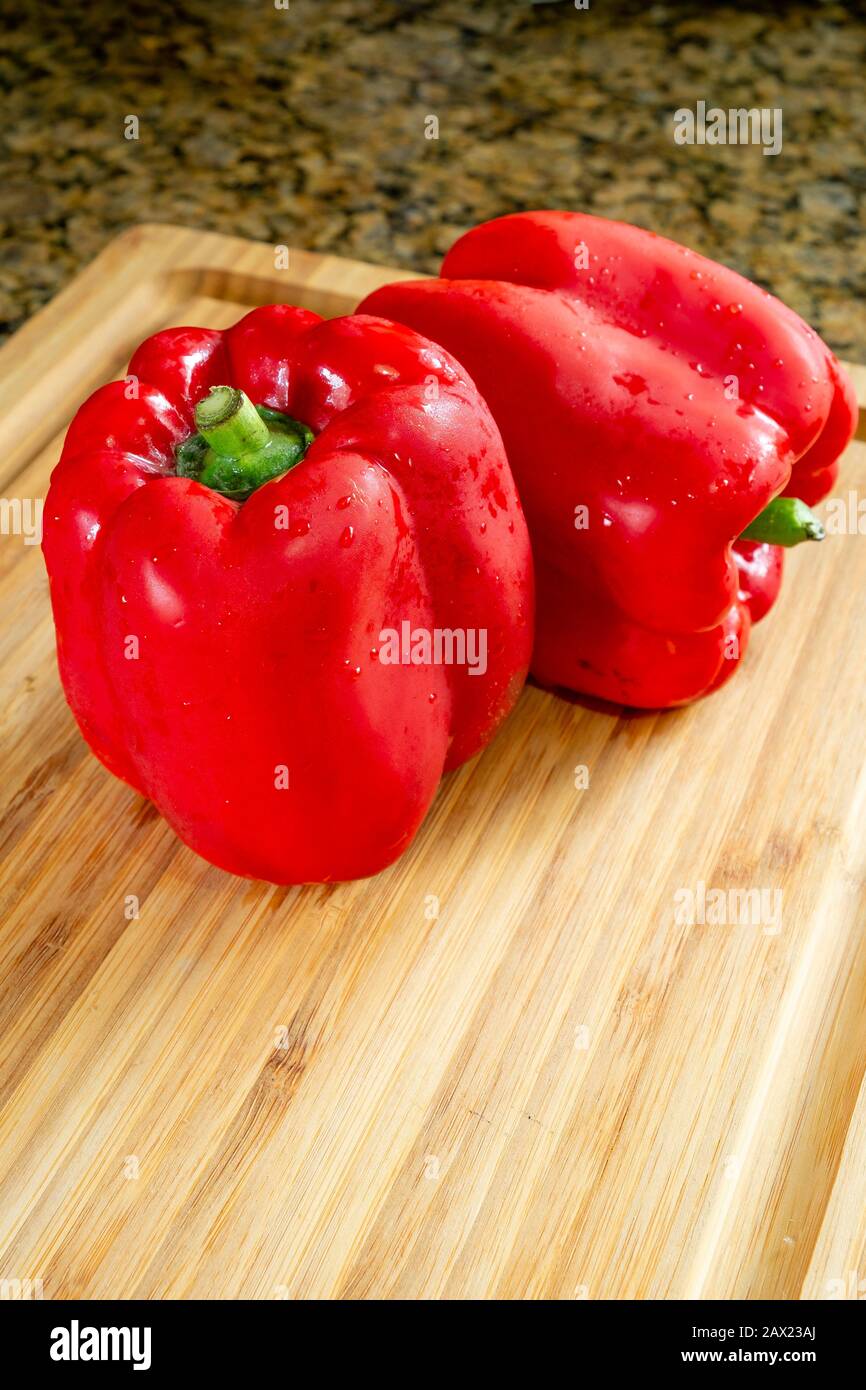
pixel 257 624
pixel 667 395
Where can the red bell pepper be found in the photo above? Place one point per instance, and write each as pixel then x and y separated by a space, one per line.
pixel 292 585
pixel 652 403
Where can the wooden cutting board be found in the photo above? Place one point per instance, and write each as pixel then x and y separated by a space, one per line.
pixel 501 1069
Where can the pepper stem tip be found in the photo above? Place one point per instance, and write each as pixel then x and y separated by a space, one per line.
pixel 230 423
pixel 785 521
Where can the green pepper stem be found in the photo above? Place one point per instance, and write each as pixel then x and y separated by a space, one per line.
pixel 230 423
pixel 785 521
pixel 240 446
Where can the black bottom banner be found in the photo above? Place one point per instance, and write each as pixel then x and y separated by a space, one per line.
pixel 82 1338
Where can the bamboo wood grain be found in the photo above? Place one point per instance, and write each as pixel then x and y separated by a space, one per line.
pixel 498 1070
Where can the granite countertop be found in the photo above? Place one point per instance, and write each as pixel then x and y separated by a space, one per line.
pixel 306 125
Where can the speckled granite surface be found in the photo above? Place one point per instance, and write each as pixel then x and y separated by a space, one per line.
pixel 306 125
